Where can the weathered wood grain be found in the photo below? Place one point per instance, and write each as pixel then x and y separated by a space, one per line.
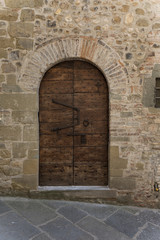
pixel 74 125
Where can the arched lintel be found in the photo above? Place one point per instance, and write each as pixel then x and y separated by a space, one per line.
pixel 72 59
pixel 95 51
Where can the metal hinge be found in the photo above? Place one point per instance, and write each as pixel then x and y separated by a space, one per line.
pixel 69 126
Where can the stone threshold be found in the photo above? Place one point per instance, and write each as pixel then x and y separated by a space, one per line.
pixel 72 188
pixel 97 194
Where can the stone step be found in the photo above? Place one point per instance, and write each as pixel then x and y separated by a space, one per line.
pixel 97 196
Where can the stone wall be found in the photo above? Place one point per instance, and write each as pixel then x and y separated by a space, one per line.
pixel 122 38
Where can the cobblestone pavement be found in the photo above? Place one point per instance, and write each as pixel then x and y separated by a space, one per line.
pixel 27 219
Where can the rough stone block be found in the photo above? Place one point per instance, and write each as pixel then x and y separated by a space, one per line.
pixel 24 43
pixel 129 18
pixel 129 56
pixel 8 15
pixel 14 55
pixel 140 166
pixel 10 133
pixel 30 167
pixel 11 88
pixel 6 118
pixel 5 153
pixel 3 161
pixel 24 117
pixel 3 32
pixel 30 132
pixel 2 78
pixel 20 150
pixel 51 24
pixel 115 96
pixel 120 139
pixel 125 8
pixel 8 68
pixel 11 79
pixel 6 42
pixel 116 172
pixel 27 15
pixel 148 92
pixel 142 22
pixel 122 183
pixel 116 20
pixel 114 152
pixel 125 198
pixel 38 3
pixel 26 181
pixel 33 145
pixel 156 26
pixel 19 3
pixel 3 24
pixel 22 3
pixel 10 170
pixel 157 67
pixel 2 146
pixel 41 17
pixel 17 163
pixel 118 163
pixel 153 110
pixel 20 29
pixel 24 102
pixel 3 53
pixel 33 154
pixel 126 114
pixel 140 11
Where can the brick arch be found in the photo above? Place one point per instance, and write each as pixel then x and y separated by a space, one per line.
pixel 57 50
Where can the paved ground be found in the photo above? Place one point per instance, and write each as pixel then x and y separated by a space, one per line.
pixel 24 219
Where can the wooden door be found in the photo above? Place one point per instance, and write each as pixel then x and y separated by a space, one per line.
pixel 73 120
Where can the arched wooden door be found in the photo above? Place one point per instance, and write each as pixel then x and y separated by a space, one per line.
pixel 73 120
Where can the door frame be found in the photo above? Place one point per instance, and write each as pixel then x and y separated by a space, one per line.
pixel 107 105
pixel 106 60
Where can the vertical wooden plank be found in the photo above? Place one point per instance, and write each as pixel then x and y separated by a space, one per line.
pixel 55 122
pixel 91 140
